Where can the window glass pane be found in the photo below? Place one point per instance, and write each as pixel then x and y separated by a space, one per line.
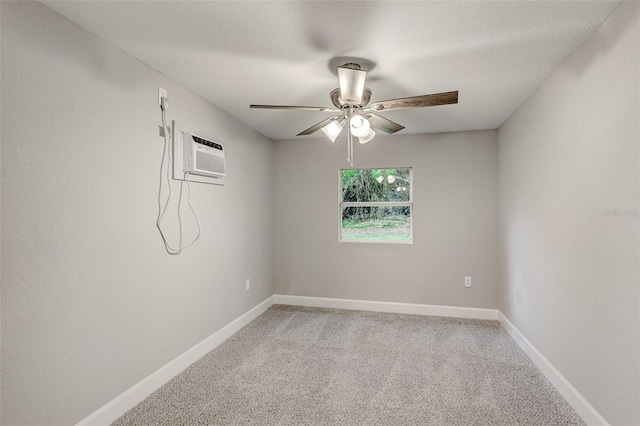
pixel 371 185
pixel 376 223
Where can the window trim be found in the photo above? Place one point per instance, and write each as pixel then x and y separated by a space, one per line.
pixel 342 204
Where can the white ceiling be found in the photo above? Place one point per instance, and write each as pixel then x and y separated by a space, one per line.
pixel 238 53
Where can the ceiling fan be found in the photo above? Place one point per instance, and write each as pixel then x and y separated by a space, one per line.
pixel 351 101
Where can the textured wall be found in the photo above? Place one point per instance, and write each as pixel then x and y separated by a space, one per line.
pixel 91 302
pixel 454 219
pixel 569 225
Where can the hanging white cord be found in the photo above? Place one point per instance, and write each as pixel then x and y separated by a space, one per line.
pixel 162 210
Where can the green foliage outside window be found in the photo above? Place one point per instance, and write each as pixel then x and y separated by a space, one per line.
pixel 386 222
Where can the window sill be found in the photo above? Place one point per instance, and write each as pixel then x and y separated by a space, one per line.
pixel 364 241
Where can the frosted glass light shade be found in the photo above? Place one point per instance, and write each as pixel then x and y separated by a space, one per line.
pixel 366 138
pixel 351 84
pixel 359 126
pixel 332 130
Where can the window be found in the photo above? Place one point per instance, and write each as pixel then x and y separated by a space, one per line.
pixel 376 205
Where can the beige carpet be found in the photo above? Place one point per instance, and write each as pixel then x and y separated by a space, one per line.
pixel 307 366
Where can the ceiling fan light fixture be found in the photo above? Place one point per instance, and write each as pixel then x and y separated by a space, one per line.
pixel 366 138
pixel 359 126
pixel 351 101
pixel 333 129
pixel 351 81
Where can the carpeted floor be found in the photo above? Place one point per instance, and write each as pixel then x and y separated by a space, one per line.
pixel 308 366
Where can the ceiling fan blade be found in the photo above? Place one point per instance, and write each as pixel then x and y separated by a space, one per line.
pixel 318 126
pixel 351 84
pixel 387 126
pixel 304 108
pixel 435 99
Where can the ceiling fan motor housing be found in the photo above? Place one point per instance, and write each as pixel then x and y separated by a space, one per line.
pixel 351 66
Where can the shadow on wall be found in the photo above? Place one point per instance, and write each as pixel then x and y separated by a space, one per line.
pixel 105 62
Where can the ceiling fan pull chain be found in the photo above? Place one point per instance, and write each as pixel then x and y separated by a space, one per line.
pixel 349 147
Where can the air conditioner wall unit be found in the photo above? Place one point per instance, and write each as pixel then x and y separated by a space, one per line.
pixel 203 157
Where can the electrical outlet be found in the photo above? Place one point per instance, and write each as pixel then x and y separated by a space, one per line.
pixel 467 281
pixel 161 94
pixel 247 284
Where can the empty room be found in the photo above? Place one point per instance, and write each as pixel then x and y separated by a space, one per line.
pixel 320 213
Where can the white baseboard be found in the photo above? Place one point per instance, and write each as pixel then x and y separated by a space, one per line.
pixel 562 385
pixel 111 411
pixel 391 307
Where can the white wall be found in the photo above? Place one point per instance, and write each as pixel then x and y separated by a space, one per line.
pixel 454 219
pixel 91 302
pixel 570 270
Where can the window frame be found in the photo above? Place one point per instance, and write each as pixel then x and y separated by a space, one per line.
pixel 342 204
